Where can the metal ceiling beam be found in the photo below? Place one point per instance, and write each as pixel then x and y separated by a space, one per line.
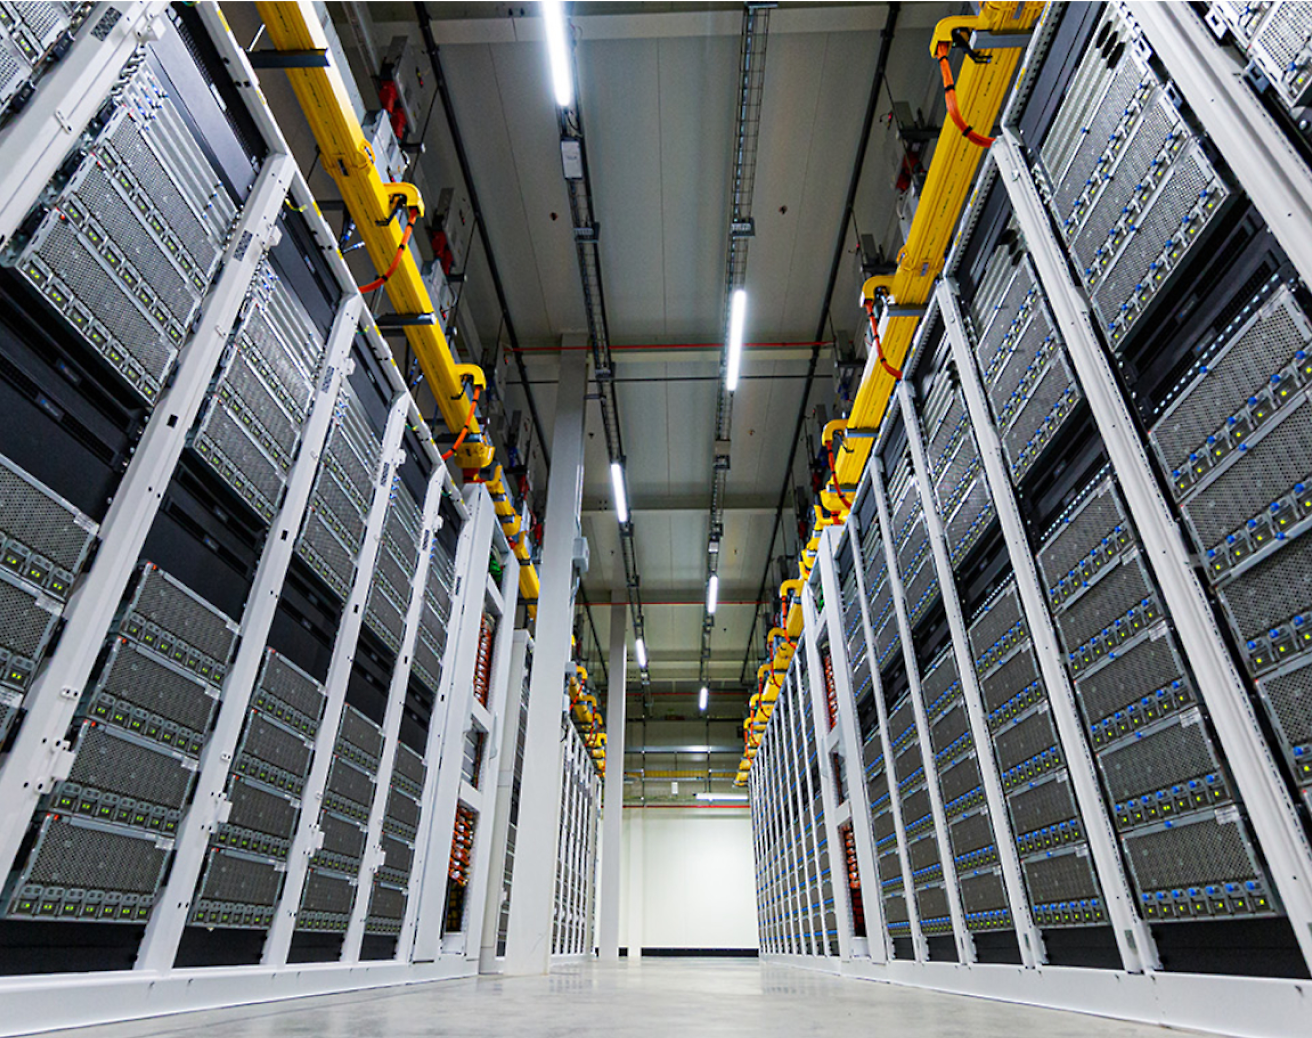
pixel 786 485
pixel 751 89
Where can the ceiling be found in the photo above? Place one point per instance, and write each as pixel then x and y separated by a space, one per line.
pixel 658 93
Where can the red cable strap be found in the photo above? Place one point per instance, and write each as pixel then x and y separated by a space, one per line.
pixel 833 469
pixel 469 418
pixel 396 260
pixel 879 344
pixel 950 94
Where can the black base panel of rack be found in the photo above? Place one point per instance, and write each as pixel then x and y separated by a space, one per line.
pixel 202 947
pixel 942 948
pixel 63 416
pixel 903 950
pixel 1219 282
pixel 28 946
pixel 1238 947
pixel 417 716
pixel 931 633
pixel 985 566
pixel 998 947
pixel 190 541
pixel 378 947
pixel 306 621
pixel 700 953
pixel 416 468
pixel 1067 465
pixel 1093 947
pixel 313 946
pixel 371 674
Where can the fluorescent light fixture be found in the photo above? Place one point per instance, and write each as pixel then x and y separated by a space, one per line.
pixel 704 795
pixel 553 15
pixel 737 318
pixel 640 650
pixel 702 698
pixel 617 485
pixel 712 593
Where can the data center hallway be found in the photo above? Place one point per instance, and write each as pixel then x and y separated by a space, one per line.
pixel 651 999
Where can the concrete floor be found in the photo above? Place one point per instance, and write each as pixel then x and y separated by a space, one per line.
pixel 657 998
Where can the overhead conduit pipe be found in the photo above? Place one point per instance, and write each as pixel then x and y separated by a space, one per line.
pixel 974 100
pixel 375 207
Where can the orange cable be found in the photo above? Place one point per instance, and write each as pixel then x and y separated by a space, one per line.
pixel 950 94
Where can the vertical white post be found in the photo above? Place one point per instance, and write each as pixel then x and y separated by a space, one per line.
pixel 1029 938
pixel 609 937
pixel 849 737
pixel 528 946
pixel 1133 938
pixel 279 941
pixel 429 523
pixel 159 945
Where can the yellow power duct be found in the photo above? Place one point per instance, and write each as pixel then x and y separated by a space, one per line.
pixel 374 207
pixel 980 90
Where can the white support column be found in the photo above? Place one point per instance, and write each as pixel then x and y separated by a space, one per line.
pixel 159 945
pixel 40 749
pixel 528 948
pixel 849 737
pixel 451 719
pixel 1030 940
pixel 373 853
pixel 886 745
pixel 1133 938
pixel 520 660
pixel 38 138
pixel 609 936
pixel 1272 812
pixel 1275 177
pixel 965 944
pixel 304 843
pixel 484 864
pixel 827 741
pixel 876 470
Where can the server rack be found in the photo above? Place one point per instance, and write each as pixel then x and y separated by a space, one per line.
pixel 1112 682
pixel 576 850
pixel 496 924
pixel 243 582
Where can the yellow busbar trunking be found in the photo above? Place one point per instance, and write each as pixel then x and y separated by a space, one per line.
pixel 376 206
pixel 980 89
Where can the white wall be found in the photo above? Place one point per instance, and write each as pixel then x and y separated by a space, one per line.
pixel 694 884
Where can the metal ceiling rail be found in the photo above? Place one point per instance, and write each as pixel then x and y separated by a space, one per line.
pixel 587 245
pixel 751 87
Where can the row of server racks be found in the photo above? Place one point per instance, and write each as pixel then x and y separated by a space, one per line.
pixel 1054 694
pixel 255 640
